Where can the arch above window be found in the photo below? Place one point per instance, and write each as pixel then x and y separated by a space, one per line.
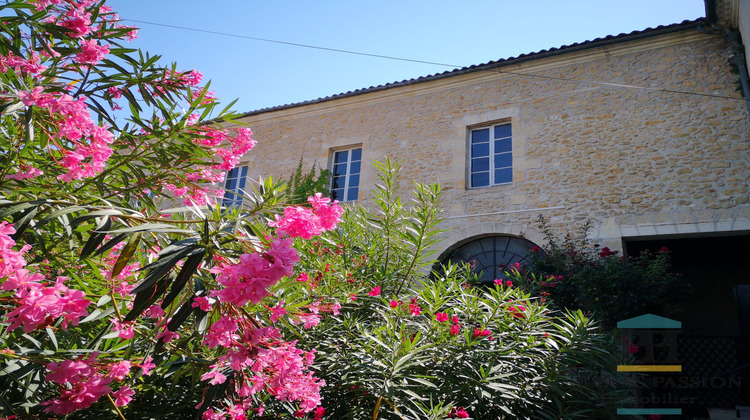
pixel 490 256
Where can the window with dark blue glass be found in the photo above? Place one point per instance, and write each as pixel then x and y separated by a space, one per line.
pixel 491 156
pixel 347 165
pixel 234 187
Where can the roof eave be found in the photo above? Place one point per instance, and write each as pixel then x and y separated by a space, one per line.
pixel 596 43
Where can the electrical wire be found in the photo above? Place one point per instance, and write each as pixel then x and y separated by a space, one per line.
pixel 454 66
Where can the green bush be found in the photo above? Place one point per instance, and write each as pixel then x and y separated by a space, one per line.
pixel 576 274
pixel 405 346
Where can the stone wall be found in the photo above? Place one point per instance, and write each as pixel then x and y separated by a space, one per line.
pixel 633 156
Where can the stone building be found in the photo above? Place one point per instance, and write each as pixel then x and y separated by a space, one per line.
pixel 641 134
pixel 644 135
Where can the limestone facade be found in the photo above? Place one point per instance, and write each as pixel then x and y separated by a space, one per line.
pixel 643 135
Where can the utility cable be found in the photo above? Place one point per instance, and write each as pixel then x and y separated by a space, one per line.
pixel 454 66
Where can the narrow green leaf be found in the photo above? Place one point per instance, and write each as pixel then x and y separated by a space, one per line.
pixel 186 272
pixel 126 253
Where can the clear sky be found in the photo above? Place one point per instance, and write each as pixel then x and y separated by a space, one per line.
pixel 263 74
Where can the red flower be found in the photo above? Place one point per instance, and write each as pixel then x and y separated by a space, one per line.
pixel 375 291
pixel 319 413
pixel 441 317
pixel 458 413
pixel 606 252
pixel 415 309
pixel 394 304
pixel 455 328
pixel 664 249
pixel 482 333
pixel 535 249
pixel 516 311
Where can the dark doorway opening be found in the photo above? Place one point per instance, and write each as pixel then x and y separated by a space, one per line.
pixel 714 344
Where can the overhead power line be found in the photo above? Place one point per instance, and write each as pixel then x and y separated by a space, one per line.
pixel 434 63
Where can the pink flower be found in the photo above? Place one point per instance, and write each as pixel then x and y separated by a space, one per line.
pixel 221 333
pixel 78 21
pixel 302 278
pixel 201 302
pixel 394 304
pixel 120 371
pixel 35 97
pixel 309 320
pixel 124 330
pixel 353 296
pixel 455 329
pixel 123 396
pixel 91 52
pixel 441 317
pixel 278 311
pixel 70 371
pixel 147 365
pixel 305 223
pixel 335 308
pixel 167 336
pixel 215 376
pixel 375 291
pixel 154 311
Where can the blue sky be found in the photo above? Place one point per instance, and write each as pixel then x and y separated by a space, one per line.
pixel 264 74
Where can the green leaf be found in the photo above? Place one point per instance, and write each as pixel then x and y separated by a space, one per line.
pixel 187 271
pixel 97 236
pixel 161 267
pixel 109 245
pixel 146 297
pixel 126 253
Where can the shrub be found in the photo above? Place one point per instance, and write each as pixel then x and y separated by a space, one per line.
pixel 392 343
pixel 576 274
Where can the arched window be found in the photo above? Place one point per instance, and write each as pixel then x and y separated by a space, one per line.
pixel 491 256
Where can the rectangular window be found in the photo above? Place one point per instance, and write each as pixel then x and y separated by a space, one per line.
pixel 491 156
pixel 234 187
pixel 345 174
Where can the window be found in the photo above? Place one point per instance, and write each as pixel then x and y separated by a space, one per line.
pixel 234 186
pixel 491 156
pixel 345 174
pixel 491 256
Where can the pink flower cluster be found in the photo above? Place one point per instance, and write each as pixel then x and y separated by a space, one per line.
pixel 83 146
pixel 31 65
pixel 266 363
pixel 227 148
pixel 38 303
pixel 81 383
pixel 249 280
pixel 300 222
pixel 91 52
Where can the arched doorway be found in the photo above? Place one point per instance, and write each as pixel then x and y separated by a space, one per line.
pixel 490 255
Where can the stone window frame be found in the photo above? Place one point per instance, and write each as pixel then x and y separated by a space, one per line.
pixel 491 155
pixel 352 178
pixel 234 186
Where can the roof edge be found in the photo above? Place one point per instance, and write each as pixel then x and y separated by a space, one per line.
pixel 595 43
